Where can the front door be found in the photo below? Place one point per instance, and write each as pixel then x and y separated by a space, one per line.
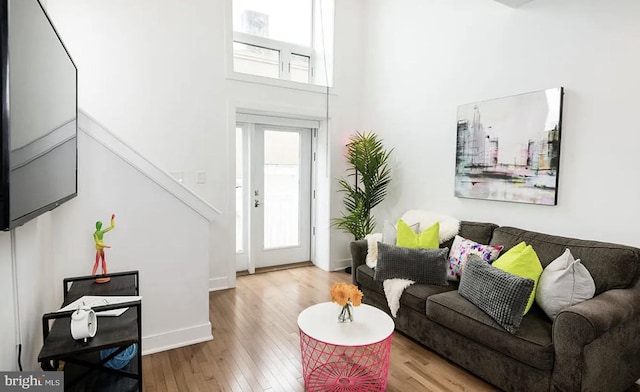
pixel 277 198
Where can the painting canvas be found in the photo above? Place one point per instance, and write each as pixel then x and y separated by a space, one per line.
pixel 508 149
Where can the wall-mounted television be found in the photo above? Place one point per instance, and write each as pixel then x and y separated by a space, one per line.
pixel 38 141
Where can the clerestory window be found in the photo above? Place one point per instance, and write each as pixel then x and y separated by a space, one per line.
pixel 284 39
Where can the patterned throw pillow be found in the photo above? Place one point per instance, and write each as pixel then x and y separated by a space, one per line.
pixel 427 266
pixel 501 295
pixel 462 248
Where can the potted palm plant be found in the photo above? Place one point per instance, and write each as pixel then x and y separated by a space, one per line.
pixel 366 184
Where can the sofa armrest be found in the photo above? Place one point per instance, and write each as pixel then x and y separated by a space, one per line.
pixel 585 334
pixel 598 315
pixel 358 256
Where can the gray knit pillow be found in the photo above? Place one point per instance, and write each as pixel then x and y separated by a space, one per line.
pixel 420 265
pixel 501 295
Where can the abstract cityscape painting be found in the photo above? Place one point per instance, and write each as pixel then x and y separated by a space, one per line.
pixel 508 149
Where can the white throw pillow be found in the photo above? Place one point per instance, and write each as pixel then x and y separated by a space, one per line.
pixel 449 226
pixel 563 283
pixel 390 231
pixel 372 248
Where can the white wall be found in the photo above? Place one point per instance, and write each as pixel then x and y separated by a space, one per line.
pixel 8 351
pixel 34 268
pixel 156 233
pixel 154 73
pixel 151 71
pixel 35 261
pixel 348 111
pixel 424 58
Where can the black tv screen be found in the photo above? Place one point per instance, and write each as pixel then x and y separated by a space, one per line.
pixel 38 155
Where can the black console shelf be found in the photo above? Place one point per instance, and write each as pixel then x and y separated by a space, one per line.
pixel 84 370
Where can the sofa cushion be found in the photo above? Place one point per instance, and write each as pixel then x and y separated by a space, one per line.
pixel 532 343
pixel 611 266
pixel 476 231
pixel 501 295
pixel 414 296
pixel 420 265
pixel 364 277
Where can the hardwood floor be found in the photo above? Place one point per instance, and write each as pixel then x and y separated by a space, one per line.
pixel 256 344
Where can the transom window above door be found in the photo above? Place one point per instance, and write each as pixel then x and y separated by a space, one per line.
pixel 289 40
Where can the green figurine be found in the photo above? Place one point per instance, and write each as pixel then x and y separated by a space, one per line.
pixel 97 237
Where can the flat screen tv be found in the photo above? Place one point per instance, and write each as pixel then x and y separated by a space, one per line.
pixel 38 151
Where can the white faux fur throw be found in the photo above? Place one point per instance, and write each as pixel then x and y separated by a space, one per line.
pixel 372 248
pixel 393 289
pixel 449 226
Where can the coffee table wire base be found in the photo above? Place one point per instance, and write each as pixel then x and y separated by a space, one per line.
pixel 328 367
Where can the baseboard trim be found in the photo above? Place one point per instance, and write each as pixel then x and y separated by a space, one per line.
pixel 216 284
pixel 277 268
pixel 178 338
pixel 340 264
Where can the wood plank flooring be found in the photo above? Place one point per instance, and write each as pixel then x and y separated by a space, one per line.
pixel 256 344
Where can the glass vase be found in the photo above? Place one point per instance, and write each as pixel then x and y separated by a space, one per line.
pixel 346 313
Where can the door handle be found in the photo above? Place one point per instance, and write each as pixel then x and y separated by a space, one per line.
pixel 256 203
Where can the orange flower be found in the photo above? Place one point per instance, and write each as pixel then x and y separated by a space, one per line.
pixel 356 297
pixel 341 293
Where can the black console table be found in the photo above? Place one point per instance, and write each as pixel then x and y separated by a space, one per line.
pixel 83 368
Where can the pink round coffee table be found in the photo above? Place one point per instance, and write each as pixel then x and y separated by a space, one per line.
pixel 345 356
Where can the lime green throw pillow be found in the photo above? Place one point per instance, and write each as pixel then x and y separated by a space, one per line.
pixel 523 261
pixel 428 239
pixel 515 250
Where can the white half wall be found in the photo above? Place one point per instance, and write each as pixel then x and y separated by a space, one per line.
pixel 163 234
pixel 156 233
pixel 424 58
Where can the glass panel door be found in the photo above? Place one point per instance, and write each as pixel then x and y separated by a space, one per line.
pixel 281 189
pixel 273 213
pixel 281 180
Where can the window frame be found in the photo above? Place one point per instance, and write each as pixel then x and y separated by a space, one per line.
pixel 320 67
pixel 285 49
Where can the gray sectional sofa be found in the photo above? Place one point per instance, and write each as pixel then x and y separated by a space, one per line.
pixel 591 346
